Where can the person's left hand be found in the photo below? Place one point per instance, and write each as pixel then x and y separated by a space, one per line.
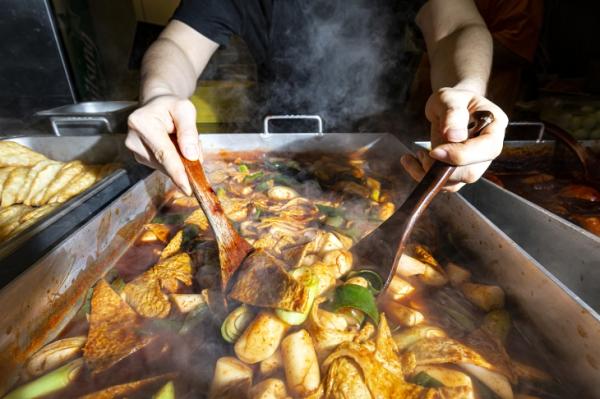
pixel 448 110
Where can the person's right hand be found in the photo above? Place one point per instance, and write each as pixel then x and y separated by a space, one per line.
pixel 148 136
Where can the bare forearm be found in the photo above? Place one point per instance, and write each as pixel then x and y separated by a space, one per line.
pixel 463 59
pixel 166 71
pixel 173 63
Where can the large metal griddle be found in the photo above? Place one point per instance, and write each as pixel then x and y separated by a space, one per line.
pixel 26 247
pixel 37 305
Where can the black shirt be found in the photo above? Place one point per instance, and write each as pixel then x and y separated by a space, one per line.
pixel 331 57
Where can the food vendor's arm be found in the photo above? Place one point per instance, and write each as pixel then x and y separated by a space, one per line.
pixel 460 52
pixel 170 70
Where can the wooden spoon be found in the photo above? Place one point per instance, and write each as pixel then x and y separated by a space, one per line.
pixel 377 246
pixel 233 249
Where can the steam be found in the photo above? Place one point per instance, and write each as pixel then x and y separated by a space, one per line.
pixel 345 54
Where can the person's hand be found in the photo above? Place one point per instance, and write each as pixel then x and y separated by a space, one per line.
pixel 148 136
pixel 448 110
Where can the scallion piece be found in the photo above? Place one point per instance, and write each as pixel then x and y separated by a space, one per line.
pixel 374 279
pixel 425 380
pixel 244 168
pixel 356 297
pixel 166 392
pixel 310 281
pixel 330 210
pixel 335 221
pixel 236 322
pixel 254 176
pixel 52 382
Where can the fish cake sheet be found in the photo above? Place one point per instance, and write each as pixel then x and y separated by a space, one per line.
pixel 78 185
pixel 11 219
pixel 31 175
pixel 12 186
pixel 4 172
pixel 67 173
pixel 41 182
pixel 15 154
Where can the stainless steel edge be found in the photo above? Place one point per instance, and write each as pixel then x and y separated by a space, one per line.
pixel 570 328
pixel 569 252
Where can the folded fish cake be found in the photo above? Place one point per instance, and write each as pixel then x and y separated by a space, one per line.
pixel 4 172
pixel 15 154
pixel 12 186
pixel 64 176
pixel 77 185
pixel 10 218
pixel 42 181
pixel 31 175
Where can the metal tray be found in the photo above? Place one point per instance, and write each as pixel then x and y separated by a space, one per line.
pixel 90 118
pixel 570 252
pixel 23 249
pixel 57 284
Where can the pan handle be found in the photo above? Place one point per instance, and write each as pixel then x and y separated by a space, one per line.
pixel 267 134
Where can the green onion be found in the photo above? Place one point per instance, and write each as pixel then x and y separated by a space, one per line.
pixel 374 279
pixel 284 180
pixel 236 322
pixel 254 176
pixel 311 282
pixel 221 193
pixel 169 218
pixel 483 392
pixel 335 221
pixel 353 232
pixel 166 392
pixel 52 382
pixel 87 302
pixel 190 233
pixel 262 186
pixel 244 168
pixel 118 284
pixel 330 210
pixel 356 297
pixel 426 380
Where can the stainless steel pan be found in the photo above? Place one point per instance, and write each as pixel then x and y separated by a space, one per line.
pixel 56 285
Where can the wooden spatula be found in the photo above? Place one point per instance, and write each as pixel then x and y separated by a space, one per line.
pixel 233 249
pixel 383 247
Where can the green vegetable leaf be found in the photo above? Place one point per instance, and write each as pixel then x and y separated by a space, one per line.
pixel 356 297
pixel 330 210
pixel 244 168
pixel 169 218
pixel 426 380
pixel 254 176
pixel 374 279
pixel 166 392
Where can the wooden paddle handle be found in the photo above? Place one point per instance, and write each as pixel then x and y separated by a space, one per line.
pixel 233 249
pixel 435 179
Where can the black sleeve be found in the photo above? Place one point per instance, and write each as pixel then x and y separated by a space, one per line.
pixel 215 19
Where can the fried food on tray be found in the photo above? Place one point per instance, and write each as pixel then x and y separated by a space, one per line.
pixel 113 333
pixel 15 154
pixel 12 185
pixel 29 178
pixel 304 318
